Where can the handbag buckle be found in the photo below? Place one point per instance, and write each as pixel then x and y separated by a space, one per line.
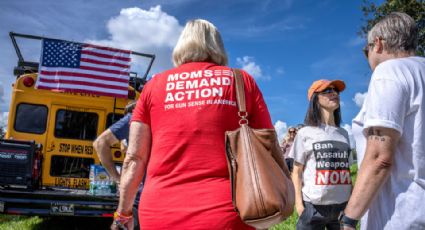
pixel 243 121
pixel 243 115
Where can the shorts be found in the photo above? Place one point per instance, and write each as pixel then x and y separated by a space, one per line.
pixel 315 217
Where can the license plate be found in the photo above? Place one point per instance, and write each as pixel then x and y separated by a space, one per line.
pixel 62 209
pixel 1 206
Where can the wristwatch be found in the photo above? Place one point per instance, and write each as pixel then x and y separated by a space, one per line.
pixel 346 221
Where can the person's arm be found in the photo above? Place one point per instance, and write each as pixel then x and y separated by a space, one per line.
pixel 102 145
pixel 124 145
pixel 376 166
pixel 134 165
pixel 297 179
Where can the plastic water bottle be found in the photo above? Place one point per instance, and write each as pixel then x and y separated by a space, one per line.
pixel 92 187
pixel 104 188
pixel 99 188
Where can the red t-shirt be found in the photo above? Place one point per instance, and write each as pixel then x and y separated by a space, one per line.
pixel 189 108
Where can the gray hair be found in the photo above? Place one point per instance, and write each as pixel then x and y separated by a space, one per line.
pixel 399 32
pixel 199 41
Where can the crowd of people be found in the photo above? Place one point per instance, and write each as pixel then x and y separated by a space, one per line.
pixel 177 129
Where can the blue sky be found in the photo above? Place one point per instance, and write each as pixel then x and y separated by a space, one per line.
pixel 284 44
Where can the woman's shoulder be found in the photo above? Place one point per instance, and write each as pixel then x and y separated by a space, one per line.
pixel 343 132
pixel 308 131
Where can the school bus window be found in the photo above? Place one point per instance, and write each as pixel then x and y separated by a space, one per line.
pixel 30 118
pixel 112 118
pixel 76 167
pixel 76 125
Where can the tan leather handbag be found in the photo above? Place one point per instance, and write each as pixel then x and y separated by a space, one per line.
pixel 262 191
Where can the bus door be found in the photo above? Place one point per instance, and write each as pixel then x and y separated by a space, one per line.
pixel 69 148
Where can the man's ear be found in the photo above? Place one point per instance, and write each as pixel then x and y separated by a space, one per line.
pixel 379 45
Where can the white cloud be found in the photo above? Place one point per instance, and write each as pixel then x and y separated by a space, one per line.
pixel 280 128
pixel 359 98
pixel 148 31
pixel 280 71
pixel 350 135
pixel 248 64
pixel 342 103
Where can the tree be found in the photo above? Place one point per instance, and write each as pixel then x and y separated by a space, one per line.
pixel 415 8
pixel 2 133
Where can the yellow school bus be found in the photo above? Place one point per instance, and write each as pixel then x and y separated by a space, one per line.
pixel 47 152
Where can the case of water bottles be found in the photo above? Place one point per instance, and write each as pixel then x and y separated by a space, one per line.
pixel 101 184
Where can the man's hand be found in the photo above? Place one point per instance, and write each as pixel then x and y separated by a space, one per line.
pixel 123 145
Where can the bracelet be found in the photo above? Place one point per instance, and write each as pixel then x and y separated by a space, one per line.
pixel 120 220
pixel 347 221
pixel 118 215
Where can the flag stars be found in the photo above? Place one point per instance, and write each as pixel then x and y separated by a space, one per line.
pixel 58 53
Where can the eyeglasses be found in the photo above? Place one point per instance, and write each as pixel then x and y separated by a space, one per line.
pixel 366 49
pixel 329 90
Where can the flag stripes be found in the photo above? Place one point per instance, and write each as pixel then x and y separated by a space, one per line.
pixel 74 67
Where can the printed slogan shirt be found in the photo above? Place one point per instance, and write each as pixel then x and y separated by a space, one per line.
pixel 189 108
pixel 325 153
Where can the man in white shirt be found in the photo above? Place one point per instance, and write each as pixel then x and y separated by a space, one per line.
pixel 390 132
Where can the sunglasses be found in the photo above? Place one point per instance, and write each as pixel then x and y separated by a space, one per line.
pixel 291 131
pixel 329 90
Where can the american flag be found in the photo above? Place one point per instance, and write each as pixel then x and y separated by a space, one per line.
pixel 83 68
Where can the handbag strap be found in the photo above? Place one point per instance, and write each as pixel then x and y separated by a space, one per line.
pixel 240 96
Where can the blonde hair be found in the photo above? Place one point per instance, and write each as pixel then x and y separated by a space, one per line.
pixel 199 41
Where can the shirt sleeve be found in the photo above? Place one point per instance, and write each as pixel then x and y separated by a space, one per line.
pixel 258 113
pixel 120 129
pixel 298 151
pixel 142 111
pixel 387 104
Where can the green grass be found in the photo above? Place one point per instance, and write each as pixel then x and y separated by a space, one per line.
pixel 353 170
pixel 11 222
pixel 288 224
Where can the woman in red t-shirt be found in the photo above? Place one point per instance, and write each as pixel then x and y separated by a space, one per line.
pixel 178 127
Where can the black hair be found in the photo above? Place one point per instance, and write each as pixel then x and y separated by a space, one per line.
pixel 313 116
